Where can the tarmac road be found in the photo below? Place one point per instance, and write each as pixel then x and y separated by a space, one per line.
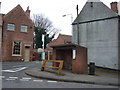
pixel 13 76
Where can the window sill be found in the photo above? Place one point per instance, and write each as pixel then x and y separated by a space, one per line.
pixel 17 55
pixel 23 31
pixel 11 30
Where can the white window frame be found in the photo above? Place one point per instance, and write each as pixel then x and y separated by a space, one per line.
pixel 74 54
pixel 13 48
pixel 11 27
pixel 24 28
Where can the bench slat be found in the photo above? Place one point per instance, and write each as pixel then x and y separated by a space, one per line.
pixel 51 67
pixel 53 60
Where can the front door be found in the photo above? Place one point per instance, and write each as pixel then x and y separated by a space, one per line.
pixel 27 54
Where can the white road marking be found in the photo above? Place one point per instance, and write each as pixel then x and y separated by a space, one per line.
pixel 14 69
pixel 52 81
pixel 24 79
pixel 2 76
pixel 13 77
pixel 10 79
pixel 38 80
pixel 19 66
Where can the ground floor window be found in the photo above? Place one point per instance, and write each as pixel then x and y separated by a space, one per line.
pixel 16 48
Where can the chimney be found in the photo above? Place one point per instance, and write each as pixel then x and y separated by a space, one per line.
pixel 28 12
pixel 114 6
pixel 0 6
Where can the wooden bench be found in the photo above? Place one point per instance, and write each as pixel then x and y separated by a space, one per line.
pixel 54 61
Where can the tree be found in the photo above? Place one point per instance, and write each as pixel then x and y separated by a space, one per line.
pixel 43 26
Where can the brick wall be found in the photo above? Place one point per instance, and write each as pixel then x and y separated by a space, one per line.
pixel 0 35
pixel 18 17
pixel 114 6
pixel 79 65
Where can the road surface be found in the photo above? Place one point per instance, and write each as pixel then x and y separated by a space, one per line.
pixel 13 76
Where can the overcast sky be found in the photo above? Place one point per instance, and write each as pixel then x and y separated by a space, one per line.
pixel 53 9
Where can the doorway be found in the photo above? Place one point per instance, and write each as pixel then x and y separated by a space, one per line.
pixel 68 59
pixel 66 56
pixel 27 53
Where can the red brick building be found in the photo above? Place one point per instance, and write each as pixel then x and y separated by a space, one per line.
pixel 61 40
pixel 73 56
pixel 0 32
pixel 17 38
pixel 1 15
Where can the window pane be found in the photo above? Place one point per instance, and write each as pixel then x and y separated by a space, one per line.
pixel 16 47
pixel 11 27
pixel 23 28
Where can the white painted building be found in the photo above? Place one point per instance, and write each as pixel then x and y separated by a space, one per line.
pixel 99 32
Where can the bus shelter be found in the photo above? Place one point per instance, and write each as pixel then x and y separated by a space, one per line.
pixel 74 57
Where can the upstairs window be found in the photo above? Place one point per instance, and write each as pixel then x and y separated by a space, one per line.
pixel 11 27
pixel 24 28
pixel 16 48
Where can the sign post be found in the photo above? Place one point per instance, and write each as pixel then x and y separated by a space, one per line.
pixel 43 55
pixel 43 52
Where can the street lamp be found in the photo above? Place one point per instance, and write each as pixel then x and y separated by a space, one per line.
pixel 71 19
pixel 67 15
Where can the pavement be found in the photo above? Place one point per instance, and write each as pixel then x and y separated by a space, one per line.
pixel 101 77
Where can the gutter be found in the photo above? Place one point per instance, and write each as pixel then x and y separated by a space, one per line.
pixel 96 20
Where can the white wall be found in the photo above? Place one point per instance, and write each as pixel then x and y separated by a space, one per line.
pixel 100 36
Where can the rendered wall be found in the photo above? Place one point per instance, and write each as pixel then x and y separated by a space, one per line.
pixel 101 39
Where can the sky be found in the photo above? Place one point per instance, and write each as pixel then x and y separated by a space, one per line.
pixel 53 9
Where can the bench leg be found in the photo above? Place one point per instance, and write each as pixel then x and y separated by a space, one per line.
pixel 60 67
pixel 42 69
pixel 43 65
pixel 59 71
